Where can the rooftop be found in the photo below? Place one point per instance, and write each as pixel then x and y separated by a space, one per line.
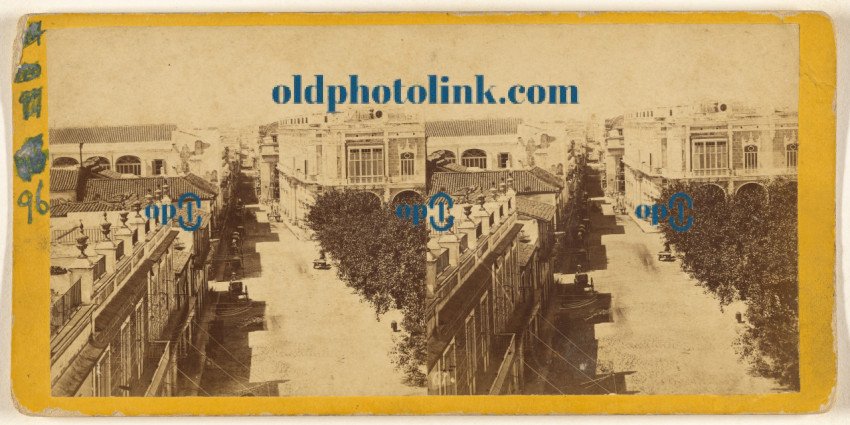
pixel 62 210
pixel 64 179
pixel 485 127
pixel 112 134
pixel 535 209
pixel 117 190
pixel 535 180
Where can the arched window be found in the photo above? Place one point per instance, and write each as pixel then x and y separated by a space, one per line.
pixel 99 160
pixel 474 158
pixel 791 155
pixel 129 165
pixel 751 157
pixel 64 161
pixel 407 164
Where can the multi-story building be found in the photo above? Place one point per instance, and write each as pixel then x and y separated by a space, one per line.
pixel 728 146
pixel 269 156
pixel 125 295
pixel 370 150
pixel 140 150
pixel 504 143
pixel 615 180
pixel 487 279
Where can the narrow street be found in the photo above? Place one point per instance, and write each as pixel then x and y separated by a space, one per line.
pixel 665 334
pixel 306 332
pixel 320 338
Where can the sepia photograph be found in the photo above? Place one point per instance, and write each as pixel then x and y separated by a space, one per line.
pixel 421 210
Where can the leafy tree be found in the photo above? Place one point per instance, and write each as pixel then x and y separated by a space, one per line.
pixel 744 247
pixel 383 259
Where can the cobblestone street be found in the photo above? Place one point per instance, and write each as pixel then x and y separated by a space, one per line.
pixel 315 338
pixel 666 335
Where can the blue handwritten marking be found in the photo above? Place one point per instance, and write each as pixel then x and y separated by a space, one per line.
pixel 33 34
pixel 27 72
pixel 31 101
pixel 26 198
pixel 30 159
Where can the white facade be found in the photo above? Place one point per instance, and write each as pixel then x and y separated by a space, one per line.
pixel 727 145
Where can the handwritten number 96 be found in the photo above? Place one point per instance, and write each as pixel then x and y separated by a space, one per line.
pixel 26 200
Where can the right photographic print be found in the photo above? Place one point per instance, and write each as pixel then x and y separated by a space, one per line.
pixel 643 243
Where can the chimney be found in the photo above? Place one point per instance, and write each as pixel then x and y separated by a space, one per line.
pixel 124 233
pixel 467 226
pixel 430 274
pixel 107 247
pixel 139 222
pixel 82 269
pixel 452 243
pixel 481 214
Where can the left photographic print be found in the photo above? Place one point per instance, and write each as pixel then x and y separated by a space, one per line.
pixel 205 249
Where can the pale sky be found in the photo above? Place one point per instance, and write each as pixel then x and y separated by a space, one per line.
pixel 223 76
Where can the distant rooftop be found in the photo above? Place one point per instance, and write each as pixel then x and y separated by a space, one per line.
pixel 535 180
pixel 112 134
pixel 485 127
pixel 62 210
pixel 64 179
pixel 535 209
pixel 113 190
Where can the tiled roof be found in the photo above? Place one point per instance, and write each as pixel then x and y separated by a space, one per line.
pixel 547 176
pixel 535 209
pixel 64 179
pixel 180 260
pixel 202 183
pixel 113 190
pixel 486 127
pixel 451 166
pixel 62 210
pixel 524 253
pixel 112 134
pixel 616 122
pixel 109 174
pixel 525 181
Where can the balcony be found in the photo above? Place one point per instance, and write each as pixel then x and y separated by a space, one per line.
pixel 355 180
pixel 766 172
pixel 502 356
pixel 155 367
pixel 738 172
pixel 70 236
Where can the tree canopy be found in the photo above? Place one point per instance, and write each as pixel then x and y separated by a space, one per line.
pixel 744 247
pixel 383 259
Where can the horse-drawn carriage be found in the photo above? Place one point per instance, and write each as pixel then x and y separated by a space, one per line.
pixel 580 258
pixel 667 254
pixel 321 263
pixel 583 283
pixel 238 290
